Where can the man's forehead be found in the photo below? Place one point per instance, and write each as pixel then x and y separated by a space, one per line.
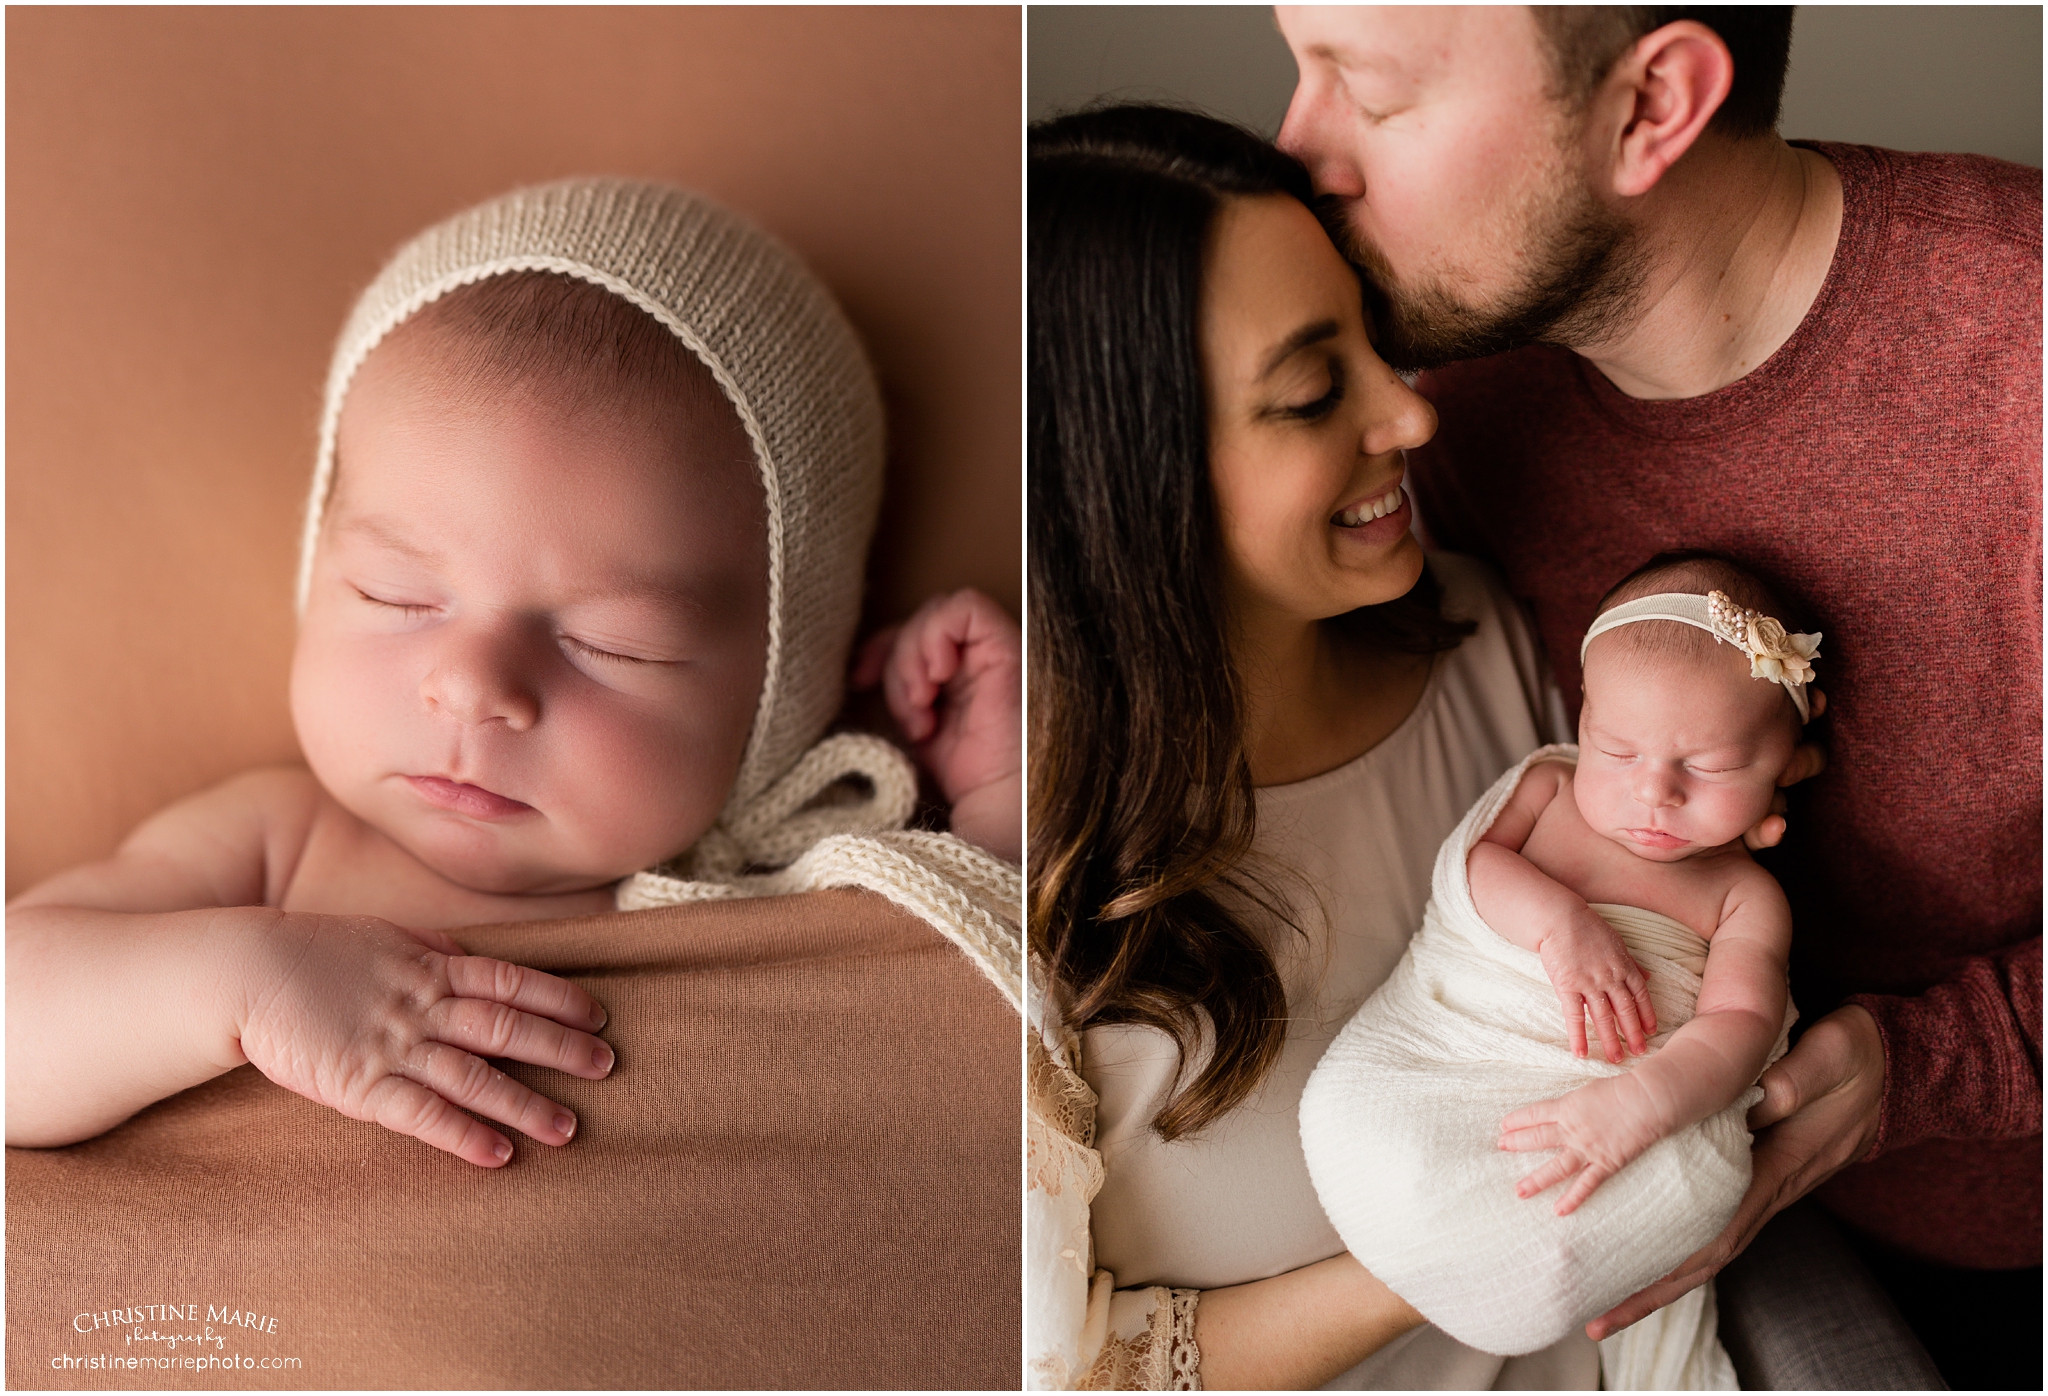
pixel 1410 40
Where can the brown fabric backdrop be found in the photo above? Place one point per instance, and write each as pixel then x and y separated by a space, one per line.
pixel 802 1173
pixel 194 196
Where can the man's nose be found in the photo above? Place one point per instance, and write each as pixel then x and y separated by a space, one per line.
pixel 481 676
pixel 1311 134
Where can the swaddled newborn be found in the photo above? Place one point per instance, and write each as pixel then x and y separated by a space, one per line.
pixel 1610 882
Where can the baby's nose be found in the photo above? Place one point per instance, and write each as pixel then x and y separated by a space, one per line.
pixel 1659 789
pixel 477 679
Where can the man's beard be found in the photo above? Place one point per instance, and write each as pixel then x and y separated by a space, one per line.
pixel 1586 264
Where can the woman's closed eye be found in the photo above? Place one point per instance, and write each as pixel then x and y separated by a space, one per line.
pixel 1315 409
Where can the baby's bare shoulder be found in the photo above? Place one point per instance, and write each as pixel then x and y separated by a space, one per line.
pixel 1754 904
pixel 1547 787
pixel 1544 781
pixel 232 844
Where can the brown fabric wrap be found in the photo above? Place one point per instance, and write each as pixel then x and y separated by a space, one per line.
pixel 801 1173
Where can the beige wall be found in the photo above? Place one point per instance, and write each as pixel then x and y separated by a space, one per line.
pixel 195 195
pixel 1912 77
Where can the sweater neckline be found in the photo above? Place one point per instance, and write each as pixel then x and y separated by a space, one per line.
pixel 1866 211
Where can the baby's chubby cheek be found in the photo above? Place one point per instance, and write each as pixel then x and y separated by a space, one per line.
pixel 636 787
pixel 336 713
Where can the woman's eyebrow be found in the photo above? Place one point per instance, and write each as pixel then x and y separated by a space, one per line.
pixel 1301 339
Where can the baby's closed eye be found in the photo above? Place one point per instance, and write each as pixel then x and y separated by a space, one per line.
pixel 410 609
pixel 606 655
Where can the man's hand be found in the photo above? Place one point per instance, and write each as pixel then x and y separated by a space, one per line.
pixel 1820 1105
pixel 1808 760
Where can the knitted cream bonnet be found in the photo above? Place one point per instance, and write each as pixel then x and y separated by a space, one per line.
pixel 790 365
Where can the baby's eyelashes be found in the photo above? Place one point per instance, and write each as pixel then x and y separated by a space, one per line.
pixel 408 608
pixel 619 658
pixel 608 656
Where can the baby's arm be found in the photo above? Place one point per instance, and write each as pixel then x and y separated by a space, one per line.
pixel 1585 960
pixel 952 674
pixel 1598 1128
pixel 131 979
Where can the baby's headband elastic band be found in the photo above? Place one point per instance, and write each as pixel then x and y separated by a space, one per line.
pixel 1773 653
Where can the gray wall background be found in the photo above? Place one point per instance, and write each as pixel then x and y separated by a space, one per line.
pixel 1911 77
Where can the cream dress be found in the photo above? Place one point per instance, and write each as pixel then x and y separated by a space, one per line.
pixel 1124 1231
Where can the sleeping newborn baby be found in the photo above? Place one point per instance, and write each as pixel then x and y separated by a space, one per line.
pixel 582 566
pixel 1610 881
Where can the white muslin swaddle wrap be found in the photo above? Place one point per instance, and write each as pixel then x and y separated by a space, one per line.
pixel 1400 1124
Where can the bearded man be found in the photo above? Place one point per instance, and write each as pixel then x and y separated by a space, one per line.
pixel 1650 323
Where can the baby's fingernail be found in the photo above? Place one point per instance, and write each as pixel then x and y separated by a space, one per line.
pixel 502 1150
pixel 598 1016
pixel 565 1124
pixel 601 1057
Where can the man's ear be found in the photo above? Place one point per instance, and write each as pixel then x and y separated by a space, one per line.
pixel 1664 90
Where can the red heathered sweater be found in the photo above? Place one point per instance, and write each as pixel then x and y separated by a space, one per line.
pixel 1883 468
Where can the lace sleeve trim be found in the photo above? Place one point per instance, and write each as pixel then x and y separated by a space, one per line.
pixel 1160 1357
pixel 1061 1162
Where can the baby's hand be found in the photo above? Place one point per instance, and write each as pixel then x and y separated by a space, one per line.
pixel 393 1025
pixel 1595 1129
pixel 1593 972
pixel 952 674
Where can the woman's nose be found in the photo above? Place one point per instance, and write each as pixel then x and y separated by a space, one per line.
pixel 1401 418
pixel 478 678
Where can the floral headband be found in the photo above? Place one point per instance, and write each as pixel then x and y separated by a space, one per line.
pixel 1773 654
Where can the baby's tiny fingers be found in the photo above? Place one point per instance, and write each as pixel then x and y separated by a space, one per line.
pixel 437 940
pixel 1647 1009
pixel 474 1084
pixel 911 693
pixel 1574 1021
pixel 528 990
pixel 498 1030
pixel 1527 1139
pixel 1603 1021
pixel 1631 1025
pixel 407 1107
pixel 1582 1188
pixel 1553 1172
pixel 941 644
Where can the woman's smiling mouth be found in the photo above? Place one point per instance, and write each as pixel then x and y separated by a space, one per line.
pixel 472 800
pixel 1366 510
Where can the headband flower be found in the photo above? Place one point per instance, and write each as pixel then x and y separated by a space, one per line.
pixel 1773 653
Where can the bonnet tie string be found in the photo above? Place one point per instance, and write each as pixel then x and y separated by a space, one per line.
pixel 806 833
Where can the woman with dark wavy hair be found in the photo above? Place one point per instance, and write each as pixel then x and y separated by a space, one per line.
pixel 1256 710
